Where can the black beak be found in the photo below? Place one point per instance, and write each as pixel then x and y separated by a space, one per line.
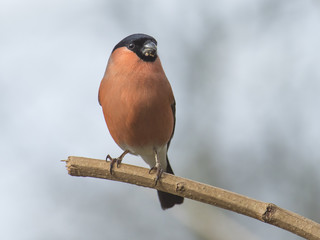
pixel 149 49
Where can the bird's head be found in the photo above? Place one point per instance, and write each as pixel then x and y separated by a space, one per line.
pixel 144 46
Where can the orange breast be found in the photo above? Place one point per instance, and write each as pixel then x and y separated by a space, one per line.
pixel 136 99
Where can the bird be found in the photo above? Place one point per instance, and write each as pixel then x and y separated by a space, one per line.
pixel 139 106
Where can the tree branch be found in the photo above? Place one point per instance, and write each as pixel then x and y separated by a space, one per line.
pixel 265 212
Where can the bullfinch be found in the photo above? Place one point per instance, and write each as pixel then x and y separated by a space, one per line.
pixel 139 106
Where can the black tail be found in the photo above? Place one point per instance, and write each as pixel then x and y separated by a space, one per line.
pixel 168 200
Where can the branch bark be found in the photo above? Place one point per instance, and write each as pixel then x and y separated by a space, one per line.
pixel 265 212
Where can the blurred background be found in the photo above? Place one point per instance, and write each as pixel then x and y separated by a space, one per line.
pixel 246 79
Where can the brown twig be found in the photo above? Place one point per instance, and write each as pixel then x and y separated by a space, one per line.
pixel 265 212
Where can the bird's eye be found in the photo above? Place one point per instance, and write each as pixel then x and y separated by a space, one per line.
pixel 131 46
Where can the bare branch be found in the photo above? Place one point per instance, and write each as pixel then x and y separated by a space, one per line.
pixel 265 212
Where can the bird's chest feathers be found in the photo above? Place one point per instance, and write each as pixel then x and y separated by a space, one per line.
pixel 141 97
pixel 137 99
pixel 139 86
pixel 144 104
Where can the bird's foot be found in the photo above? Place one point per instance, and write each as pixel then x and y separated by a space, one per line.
pixel 115 160
pixel 159 172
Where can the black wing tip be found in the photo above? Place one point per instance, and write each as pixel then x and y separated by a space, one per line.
pixel 168 200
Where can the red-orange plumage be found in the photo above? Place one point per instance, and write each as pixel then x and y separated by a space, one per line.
pixel 136 99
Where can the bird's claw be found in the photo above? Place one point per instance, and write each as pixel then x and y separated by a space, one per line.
pixel 116 160
pixel 159 173
pixel 113 161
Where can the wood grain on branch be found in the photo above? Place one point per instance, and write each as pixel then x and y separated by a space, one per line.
pixel 265 212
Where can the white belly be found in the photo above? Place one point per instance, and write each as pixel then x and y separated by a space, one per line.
pixel 148 155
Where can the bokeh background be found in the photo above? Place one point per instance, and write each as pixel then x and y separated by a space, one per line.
pixel 246 78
